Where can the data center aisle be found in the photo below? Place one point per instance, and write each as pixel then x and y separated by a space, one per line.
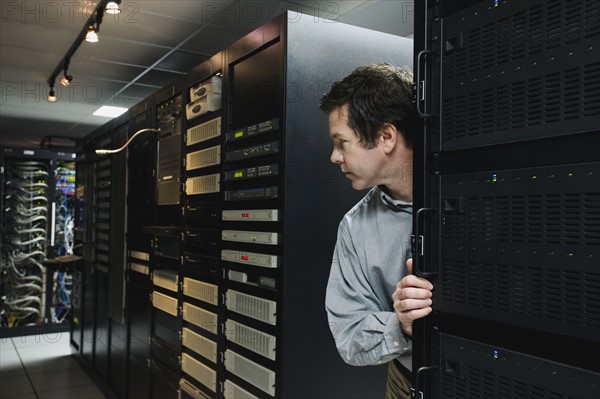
pixel 41 367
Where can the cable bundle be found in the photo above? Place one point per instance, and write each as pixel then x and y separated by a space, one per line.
pixel 25 241
pixel 65 210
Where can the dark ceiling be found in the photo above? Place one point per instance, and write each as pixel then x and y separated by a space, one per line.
pixel 150 44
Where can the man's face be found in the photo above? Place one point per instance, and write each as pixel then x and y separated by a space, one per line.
pixel 359 164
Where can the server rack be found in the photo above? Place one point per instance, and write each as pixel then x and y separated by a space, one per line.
pixel 507 198
pixel 36 190
pixel 141 211
pixel 201 279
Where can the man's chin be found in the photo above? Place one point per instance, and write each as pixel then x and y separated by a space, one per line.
pixel 358 185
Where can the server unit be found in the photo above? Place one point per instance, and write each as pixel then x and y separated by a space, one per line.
pixel 507 198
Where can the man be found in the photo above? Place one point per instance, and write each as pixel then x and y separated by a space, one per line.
pixel 372 299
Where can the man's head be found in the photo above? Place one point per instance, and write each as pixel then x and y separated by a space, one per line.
pixel 372 123
pixel 376 94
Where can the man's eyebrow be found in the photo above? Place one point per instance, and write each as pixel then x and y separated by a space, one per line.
pixel 336 135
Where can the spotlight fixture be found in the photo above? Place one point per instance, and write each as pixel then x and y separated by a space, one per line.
pixel 112 7
pixel 66 80
pixel 91 36
pixel 51 94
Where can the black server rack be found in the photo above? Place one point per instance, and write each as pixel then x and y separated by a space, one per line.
pixel 260 280
pixel 166 242
pixel 141 211
pixel 201 278
pixel 507 198
pixel 37 207
pixel 85 235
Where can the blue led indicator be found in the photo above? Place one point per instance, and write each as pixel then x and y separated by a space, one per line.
pixel 495 354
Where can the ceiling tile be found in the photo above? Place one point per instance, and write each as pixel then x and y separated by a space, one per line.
pixel 181 61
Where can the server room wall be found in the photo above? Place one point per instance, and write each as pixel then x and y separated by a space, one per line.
pixel 211 310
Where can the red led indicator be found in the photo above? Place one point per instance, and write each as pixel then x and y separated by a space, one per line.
pixel 245 257
pixel 245 215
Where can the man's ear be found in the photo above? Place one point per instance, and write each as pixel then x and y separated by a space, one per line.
pixel 389 137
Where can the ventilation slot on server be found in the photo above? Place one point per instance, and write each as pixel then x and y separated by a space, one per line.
pixel 521 247
pixel 199 344
pixel 139 268
pixel 201 373
pixel 189 391
pixel 251 306
pixel 203 184
pixel 140 255
pixel 254 340
pixel 167 279
pixel 200 317
pixel 164 303
pixel 232 391
pixel 204 132
pixel 200 290
pixel 203 158
pixel 257 375
pixel 484 103
pixel 474 370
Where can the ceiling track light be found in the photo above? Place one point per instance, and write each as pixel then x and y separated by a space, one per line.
pixel 91 36
pixel 66 79
pixel 51 94
pixel 112 7
pixel 89 33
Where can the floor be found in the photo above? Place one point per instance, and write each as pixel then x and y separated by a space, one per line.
pixel 41 367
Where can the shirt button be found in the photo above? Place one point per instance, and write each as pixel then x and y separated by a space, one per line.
pixel 396 343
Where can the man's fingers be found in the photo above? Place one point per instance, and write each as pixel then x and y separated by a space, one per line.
pixel 407 305
pixel 414 281
pixel 412 315
pixel 414 293
pixel 409 265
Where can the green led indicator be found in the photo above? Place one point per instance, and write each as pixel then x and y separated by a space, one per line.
pixel 238 174
pixel 570 174
pixel 570 254
pixel 533 177
pixel 239 134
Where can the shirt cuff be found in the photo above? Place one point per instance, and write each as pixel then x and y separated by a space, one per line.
pixel 394 339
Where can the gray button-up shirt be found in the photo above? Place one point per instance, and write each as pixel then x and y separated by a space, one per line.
pixel 373 244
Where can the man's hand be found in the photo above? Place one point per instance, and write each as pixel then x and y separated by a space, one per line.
pixel 412 299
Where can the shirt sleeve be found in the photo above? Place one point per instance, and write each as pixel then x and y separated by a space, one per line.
pixel 364 330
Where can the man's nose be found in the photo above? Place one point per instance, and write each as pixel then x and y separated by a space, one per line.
pixel 336 157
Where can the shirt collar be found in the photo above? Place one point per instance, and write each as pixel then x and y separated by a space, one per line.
pixel 394 204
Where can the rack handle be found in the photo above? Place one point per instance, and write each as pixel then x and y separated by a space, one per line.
pixel 418 379
pixel 416 258
pixel 420 57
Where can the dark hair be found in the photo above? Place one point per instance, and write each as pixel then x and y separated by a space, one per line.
pixel 376 94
